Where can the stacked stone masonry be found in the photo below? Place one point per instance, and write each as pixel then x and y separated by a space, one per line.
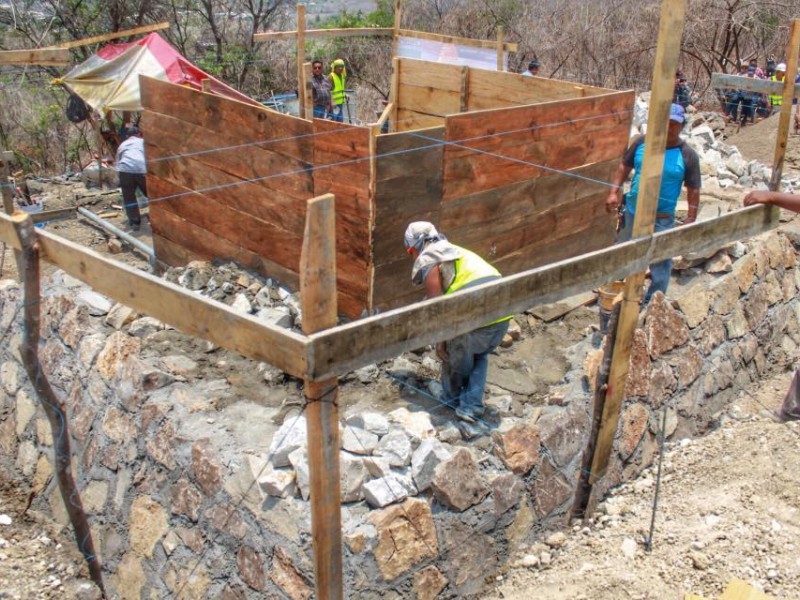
pixel 191 493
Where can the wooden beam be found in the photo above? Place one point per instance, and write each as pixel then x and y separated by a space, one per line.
pixel 782 136
pixel 464 88
pixel 751 84
pixel 271 36
pixel 6 158
pixel 354 345
pixel 452 39
pixel 115 35
pixel 48 57
pixel 170 303
pixel 398 18
pixel 500 36
pixel 394 93
pixel 666 62
pixel 387 110
pixel 307 85
pixel 301 58
pixel 318 302
pixel 53 215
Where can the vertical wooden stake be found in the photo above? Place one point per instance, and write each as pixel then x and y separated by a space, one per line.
pixel 782 137
pixel 52 404
pixel 500 44
pixel 6 158
pixel 394 94
pixel 666 62
pixel 464 104
pixel 301 59
pixel 306 83
pixel 398 17
pixel 318 302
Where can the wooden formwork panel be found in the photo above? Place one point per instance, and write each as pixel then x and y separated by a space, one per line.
pixel 492 148
pixel 342 168
pixel 498 89
pixel 408 188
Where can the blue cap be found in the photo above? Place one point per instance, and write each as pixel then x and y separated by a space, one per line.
pixel 677 114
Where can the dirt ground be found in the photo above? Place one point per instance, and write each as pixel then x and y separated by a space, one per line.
pixel 728 508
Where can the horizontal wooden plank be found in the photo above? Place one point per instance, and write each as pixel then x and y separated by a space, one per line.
pixel 522 200
pixel 408 120
pixel 287 135
pixel 8 231
pixel 55 214
pixel 493 89
pixel 738 82
pixel 49 57
pixel 489 149
pixel 232 152
pixel 177 306
pixel 426 74
pixel 354 345
pixel 452 39
pixel 271 36
pixel 115 35
pixel 429 100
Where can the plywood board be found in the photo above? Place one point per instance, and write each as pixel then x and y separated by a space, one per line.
pixel 429 100
pixel 489 149
pixel 408 120
pixel 492 89
pixel 286 135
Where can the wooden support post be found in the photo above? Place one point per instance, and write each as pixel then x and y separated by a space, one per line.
pixel 666 62
pixel 309 93
pixel 394 93
pixel 301 59
pixel 782 137
pixel 500 46
pixel 6 158
pixel 53 406
pixel 318 302
pixel 464 104
pixel 398 17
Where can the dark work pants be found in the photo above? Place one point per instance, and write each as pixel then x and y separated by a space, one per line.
pixel 129 182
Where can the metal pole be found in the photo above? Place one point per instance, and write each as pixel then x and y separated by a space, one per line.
pixel 129 239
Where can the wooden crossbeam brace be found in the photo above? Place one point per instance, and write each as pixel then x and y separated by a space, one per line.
pixel 47 57
pixel 763 86
pixel 785 117
pixel 115 35
pixel 270 36
pixel 366 341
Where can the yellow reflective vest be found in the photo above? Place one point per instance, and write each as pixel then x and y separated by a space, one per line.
pixel 471 268
pixel 775 99
pixel 338 85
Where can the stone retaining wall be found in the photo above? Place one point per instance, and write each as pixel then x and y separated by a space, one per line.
pixel 193 492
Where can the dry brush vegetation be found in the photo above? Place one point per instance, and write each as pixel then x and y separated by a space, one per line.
pixel 603 42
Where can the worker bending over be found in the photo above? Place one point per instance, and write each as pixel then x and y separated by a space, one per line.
pixel 444 268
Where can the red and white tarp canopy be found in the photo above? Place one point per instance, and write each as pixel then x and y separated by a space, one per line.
pixel 109 80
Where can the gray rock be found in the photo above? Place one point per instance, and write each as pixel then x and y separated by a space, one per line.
pixel 449 434
pixel 298 459
pixel 367 374
pixel 403 367
pixel 417 424
pixel 119 316
pixel 396 447
pixel 279 316
pixel 359 441
pixel 704 134
pixel 377 466
pixel 280 483
pixel 458 483
pixel 370 421
pixel 387 490
pixel 424 461
pixel 289 437
pixel 145 326
pixel 262 298
pixel 242 304
pixel 353 475
pixel 97 304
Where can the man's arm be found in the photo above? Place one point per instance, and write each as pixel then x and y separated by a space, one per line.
pixel 433 283
pixel 693 199
pixel 620 176
pixel 781 199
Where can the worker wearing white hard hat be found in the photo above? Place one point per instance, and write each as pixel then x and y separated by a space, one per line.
pixel 776 98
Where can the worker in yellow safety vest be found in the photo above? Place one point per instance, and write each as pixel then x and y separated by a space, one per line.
pixel 338 79
pixel 444 268
pixel 776 100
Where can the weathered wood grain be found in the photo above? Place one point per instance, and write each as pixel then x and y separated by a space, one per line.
pixel 376 338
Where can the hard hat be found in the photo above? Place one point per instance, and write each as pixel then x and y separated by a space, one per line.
pixel 337 63
pixel 417 233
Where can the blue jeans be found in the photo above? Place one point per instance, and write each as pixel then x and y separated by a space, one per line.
pixel 320 112
pixel 337 114
pixel 660 271
pixel 464 371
